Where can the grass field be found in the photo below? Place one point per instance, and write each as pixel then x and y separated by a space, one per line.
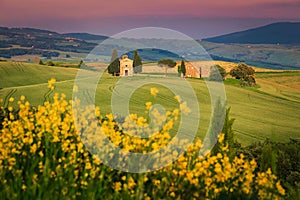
pixel 269 110
pixel 270 56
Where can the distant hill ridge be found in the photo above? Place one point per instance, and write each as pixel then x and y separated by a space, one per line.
pixel 24 30
pixel 81 36
pixel 85 36
pixel 46 43
pixel 281 33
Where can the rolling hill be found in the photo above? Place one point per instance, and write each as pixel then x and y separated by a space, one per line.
pixel 22 41
pixel 276 33
pixel 271 56
pixel 276 100
pixel 258 46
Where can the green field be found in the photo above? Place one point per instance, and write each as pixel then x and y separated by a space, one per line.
pixel 270 110
pixel 272 56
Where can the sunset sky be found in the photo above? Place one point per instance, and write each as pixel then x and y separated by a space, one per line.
pixel 196 18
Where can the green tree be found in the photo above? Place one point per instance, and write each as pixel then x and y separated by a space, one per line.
pixel 244 73
pixel 50 63
pixel 114 66
pixel 225 128
pixel 182 66
pixel 179 70
pixel 216 126
pixel 268 157
pixel 167 63
pixel 80 63
pixel 137 62
pixel 217 73
pixel 229 134
pixel 41 62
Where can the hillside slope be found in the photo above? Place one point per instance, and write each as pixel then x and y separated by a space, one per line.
pixel 276 33
pixel 276 100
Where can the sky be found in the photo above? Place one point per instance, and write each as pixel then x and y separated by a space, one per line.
pixel 195 18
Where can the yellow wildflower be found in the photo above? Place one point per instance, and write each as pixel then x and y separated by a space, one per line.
pixel 24 187
pixel 22 98
pixel 172 194
pixel 10 108
pixel 117 186
pixel 280 188
pixel 131 183
pixel 154 91
pixel 75 88
pixel 157 182
pixel 41 154
pixel 148 105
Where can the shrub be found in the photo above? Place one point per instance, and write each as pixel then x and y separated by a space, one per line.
pixel 217 73
pixel 244 73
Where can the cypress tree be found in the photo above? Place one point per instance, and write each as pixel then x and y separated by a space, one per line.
pixel 268 157
pixel 179 70
pixel 183 69
pixel 229 134
pixel 217 128
pixel 114 66
pixel 137 62
pixel 217 73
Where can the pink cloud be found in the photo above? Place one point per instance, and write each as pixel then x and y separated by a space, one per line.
pixel 111 16
pixel 84 9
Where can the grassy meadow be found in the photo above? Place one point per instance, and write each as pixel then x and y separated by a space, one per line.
pixel 45 155
pixel 266 111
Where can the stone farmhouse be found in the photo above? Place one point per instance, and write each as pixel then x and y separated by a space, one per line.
pixel 195 70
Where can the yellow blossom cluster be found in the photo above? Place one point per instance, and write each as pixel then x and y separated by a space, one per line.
pixel 42 155
pixel 215 176
pixel 51 83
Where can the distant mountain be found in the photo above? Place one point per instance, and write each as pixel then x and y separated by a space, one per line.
pixel 276 33
pixel 85 36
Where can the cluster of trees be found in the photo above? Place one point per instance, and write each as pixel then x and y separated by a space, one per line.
pixel 114 66
pixel 244 73
pixel 81 64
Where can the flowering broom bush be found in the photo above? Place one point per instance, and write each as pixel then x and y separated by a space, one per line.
pixel 42 156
